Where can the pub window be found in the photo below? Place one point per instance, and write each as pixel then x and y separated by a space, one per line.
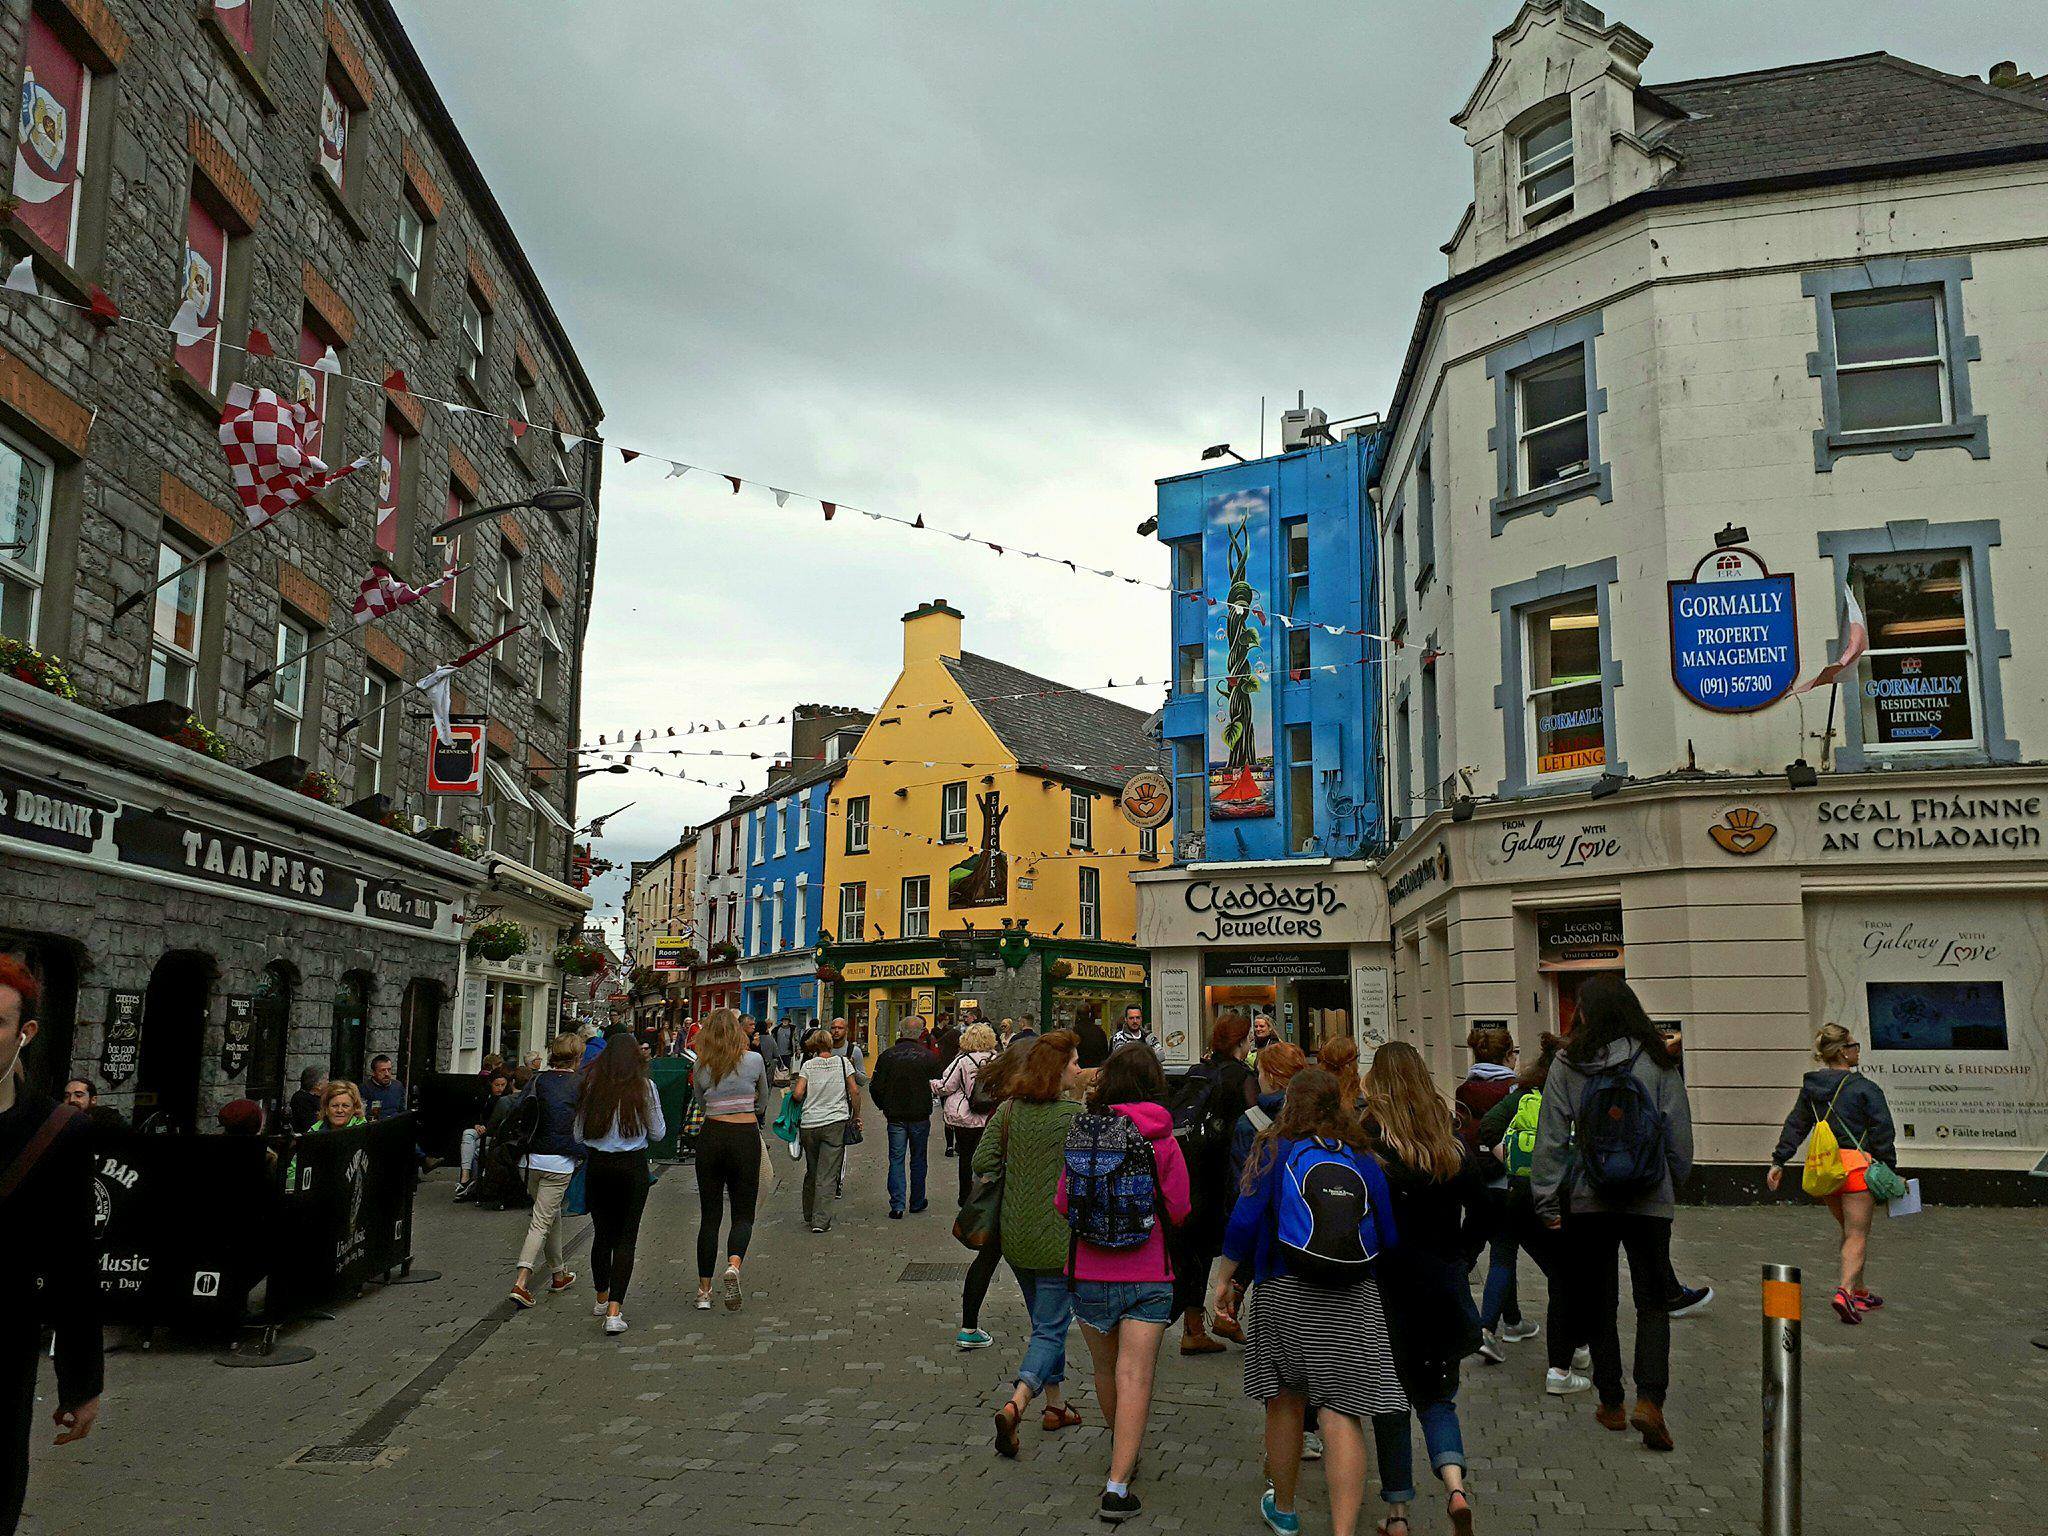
pixel 319 364
pixel 174 633
pixel 953 813
pixel 396 460
pixel 502 794
pixel 59 153
pixel 1090 895
pixel 547 678
pixel 1553 441
pixel 917 907
pixel 212 286
pixel 1301 788
pixel 1298 627
pixel 1190 788
pixel 342 145
pixel 452 593
pixel 508 581
pixel 1565 716
pixel 370 734
pixel 410 266
pixel 1080 819
pixel 476 335
pixel 853 912
pixel 1920 675
pixel 24 537
pixel 288 689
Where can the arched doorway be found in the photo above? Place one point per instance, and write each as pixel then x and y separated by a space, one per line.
pixel 174 1041
pixel 54 964
pixel 270 1036
pixel 419 1040
pixel 348 1045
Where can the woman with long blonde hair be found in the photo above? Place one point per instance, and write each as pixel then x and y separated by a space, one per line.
pixel 1339 1058
pixel 731 1082
pixel 1439 1197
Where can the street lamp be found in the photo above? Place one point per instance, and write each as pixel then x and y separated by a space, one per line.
pixel 584 773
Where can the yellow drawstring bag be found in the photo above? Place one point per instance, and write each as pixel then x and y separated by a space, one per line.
pixel 1825 1172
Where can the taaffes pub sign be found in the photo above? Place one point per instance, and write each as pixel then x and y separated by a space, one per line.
pixel 1734 633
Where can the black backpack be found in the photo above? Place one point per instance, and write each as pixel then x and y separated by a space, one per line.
pixel 1620 1134
pixel 1202 1122
pixel 522 1121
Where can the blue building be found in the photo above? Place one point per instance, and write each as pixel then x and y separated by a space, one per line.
pixel 1274 718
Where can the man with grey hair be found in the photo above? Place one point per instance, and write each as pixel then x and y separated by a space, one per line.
pixel 903 1091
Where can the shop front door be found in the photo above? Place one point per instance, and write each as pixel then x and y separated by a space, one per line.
pixel 173 1041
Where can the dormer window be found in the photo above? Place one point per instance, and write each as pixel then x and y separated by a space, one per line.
pixel 1546 166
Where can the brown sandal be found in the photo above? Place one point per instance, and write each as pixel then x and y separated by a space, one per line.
pixel 1007 1417
pixel 1066 1416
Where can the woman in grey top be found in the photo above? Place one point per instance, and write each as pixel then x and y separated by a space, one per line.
pixel 1612 1042
pixel 824 1085
pixel 731 1082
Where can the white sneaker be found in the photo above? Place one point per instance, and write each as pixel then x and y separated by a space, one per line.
pixel 1564 1383
pixel 1527 1328
pixel 1311 1446
pixel 704 1302
pixel 1489 1349
pixel 616 1323
pixel 732 1289
pixel 1582 1359
pixel 600 1308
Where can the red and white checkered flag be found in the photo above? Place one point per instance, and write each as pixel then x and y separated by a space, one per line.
pixel 381 592
pixel 264 439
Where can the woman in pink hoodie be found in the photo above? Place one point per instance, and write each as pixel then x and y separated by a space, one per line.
pixel 1123 1295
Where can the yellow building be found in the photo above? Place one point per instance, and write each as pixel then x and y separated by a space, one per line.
pixel 976 859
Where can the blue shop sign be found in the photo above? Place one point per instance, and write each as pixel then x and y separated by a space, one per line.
pixel 1734 633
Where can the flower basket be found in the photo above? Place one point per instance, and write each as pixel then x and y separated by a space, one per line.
pixel 319 784
pixel 452 840
pixel 579 959
pixel 202 739
pixel 643 978
pixel 1061 969
pixel 724 952
pixel 497 941
pixel 36 668
pixel 829 973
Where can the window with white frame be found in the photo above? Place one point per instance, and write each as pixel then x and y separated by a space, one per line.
pixel 412 245
pixel 1091 902
pixel 781 828
pixel 24 538
pixel 1891 360
pixel 953 813
pixel 853 912
pixel 547 676
pixel 475 334
pixel 796 932
pixel 288 689
pixel 1565 716
pixel 1543 157
pixel 917 907
pixel 1080 819
pixel 1552 442
pixel 758 821
pixel 508 580
pixel 774 944
pixel 857 824
pixel 803 824
pixel 1919 677
pixel 174 632
pixel 370 734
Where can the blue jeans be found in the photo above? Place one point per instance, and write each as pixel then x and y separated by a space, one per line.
pixel 1502 1298
pixel 909 1137
pixel 1103 1304
pixel 1051 1306
pixel 1441 1436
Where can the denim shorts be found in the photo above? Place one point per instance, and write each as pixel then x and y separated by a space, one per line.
pixel 1102 1304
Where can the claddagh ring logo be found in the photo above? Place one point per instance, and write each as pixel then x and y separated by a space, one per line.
pixel 1742 832
pixel 358 1172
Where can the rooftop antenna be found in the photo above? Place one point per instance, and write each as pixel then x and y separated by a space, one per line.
pixel 1262 431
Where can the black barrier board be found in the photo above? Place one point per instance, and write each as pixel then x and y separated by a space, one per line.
pixel 449 1104
pixel 347 1213
pixel 183 1226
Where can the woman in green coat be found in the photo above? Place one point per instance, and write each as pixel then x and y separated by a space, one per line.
pixel 1025 1144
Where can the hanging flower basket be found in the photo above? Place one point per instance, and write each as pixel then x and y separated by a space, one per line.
pixel 643 978
pixel 497 941
pixel 452 840
pixel 688 958
pixel 574 959
pixel 202 739
pixel 36 668
pixel 1061 969
pixel 318 784
pixel 829 973
pixel 724 952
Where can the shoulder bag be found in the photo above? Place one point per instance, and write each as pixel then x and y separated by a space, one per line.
pixel 979 1224
pixel 852 1136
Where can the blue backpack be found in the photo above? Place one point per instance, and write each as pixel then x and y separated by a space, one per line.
pixel 1112 1184
pixel 1324 1221
pixel 1620 1134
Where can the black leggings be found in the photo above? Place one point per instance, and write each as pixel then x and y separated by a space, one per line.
pixel 728 1161
pixel 615 1188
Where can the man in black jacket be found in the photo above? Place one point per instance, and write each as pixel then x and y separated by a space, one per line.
pixel 46 1209
pixel 902 1089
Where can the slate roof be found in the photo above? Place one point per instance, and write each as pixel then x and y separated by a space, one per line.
pixel 1056 732
pixel 815 773
pixel 1862 113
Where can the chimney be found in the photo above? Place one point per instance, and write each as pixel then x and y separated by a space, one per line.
pixel 931 630
pixel 812 726
pixel 777 772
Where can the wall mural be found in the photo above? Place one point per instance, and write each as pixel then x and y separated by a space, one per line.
pixel 1240 735
pixel 982 879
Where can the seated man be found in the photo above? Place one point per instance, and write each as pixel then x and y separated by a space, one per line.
pixel 383 1094
pixel 84 1094
pixel 305 1104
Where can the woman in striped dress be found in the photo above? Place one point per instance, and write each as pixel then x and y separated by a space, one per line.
pixel 1309 1342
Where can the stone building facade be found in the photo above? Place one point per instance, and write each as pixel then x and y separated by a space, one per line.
pixel 288 166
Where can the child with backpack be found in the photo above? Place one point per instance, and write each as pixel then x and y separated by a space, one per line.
pixel 1613 1138
pixel 1312 1222
pixel 1439 1205
pixel 1124 1184
pixel 1852 1144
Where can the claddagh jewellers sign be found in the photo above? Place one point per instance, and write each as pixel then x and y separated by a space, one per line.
pixel 1262 909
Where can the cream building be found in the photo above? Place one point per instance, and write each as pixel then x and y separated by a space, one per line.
pixel 1713 357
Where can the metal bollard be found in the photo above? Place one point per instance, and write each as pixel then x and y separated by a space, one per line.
pixel 1782 1513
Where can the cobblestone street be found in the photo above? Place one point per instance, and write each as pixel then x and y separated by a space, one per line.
pixel 836 1401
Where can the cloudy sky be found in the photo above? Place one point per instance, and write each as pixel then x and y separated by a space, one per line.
pixel 1000 265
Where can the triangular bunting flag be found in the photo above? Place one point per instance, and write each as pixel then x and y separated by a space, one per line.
pixel 330 362
pixel 830 507
pixel 518 430
pixel 628 455
pixel 104 310
pixel 781 497
pixel 185 328
pixel 735 481
pixel 258 344
pixel 676 471
pixel 395 382
pixel 21 277
pixel 920 521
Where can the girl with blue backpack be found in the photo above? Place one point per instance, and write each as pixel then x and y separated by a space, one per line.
pixel 1124 1184
pixel 1439 1203
pixel 1613 1141
pixel 1312 1222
